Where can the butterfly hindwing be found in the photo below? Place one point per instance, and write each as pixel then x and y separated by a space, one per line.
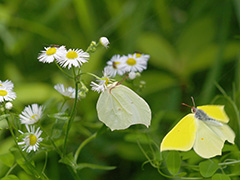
pixel 207 143
pixel 182 136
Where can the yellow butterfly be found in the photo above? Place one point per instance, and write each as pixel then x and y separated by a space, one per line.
pixel 205 129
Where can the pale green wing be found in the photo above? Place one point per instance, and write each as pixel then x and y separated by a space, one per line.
pixel 216 112
pixel 208 143
pixel 121 107
pixel 224 132
pixel 182 136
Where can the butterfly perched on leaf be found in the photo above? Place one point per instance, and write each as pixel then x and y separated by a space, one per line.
pixel 119 107
pixel 205 130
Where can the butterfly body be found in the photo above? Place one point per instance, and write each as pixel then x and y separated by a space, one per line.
pixel 201 115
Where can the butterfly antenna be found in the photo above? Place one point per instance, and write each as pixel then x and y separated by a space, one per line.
pixel 124 78
pixel 186 105
pixel 193 101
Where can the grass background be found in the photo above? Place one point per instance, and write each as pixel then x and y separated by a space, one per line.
pixel 193 44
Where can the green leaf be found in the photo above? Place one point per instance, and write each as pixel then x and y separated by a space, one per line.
pixel 208 168
pixel 69 160
pixel 7 159
pixel 220 177
pixel 10 177
pixel 60 115
pixel 4 116
pixel 22 163
pixel 94 166
pixel 162 52
pixel 152 77
pixel 173 161
pixel 196 36
pixel 57 128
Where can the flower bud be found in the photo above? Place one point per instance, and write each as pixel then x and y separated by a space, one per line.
pixel 8 105
pixel 104 41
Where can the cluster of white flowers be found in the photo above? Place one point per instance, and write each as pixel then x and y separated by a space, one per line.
pixel 30 116
pixel 120 65
pixel 102 82
pixel 6 91
pixel 66 58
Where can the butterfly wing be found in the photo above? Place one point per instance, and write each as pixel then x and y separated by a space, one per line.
pixel 224 132
pixel 182 136
pixel 216 112
pixel 207 144
pixel 121 107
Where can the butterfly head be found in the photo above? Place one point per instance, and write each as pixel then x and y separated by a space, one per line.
pixel 193 108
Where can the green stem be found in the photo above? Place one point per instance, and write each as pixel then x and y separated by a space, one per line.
pixel 59 67
pixel 229 163
pixel 86 141
pixel 71 117
pixel 10 170
pixel 88 73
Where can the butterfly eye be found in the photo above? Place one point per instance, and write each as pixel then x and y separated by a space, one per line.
pixel 193 110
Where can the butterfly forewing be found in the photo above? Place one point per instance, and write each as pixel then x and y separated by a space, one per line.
pixel 182 136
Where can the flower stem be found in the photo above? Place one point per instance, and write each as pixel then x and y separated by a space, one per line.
pixel 86 141
pixel 59 67
pixel 71 117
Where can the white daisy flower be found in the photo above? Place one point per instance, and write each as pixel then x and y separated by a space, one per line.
pixel 31 114
pixel 6 84
pixel 32 140
pixel 74 58
pixel 143 57
pixel 7 94
pixel 98 87
pixel 134 63
pixel 104 41
pixel 51 53
pixel 102 83
pixel 113 66
pixel 67 92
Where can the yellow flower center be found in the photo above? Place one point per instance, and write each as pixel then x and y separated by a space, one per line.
pixel 32 139
pixel 3 93
pixel 106 81
pixel 138 55
pixel 115 64
pixel 131 61
pixel 51 51
pixel 35 117
pixel 72 55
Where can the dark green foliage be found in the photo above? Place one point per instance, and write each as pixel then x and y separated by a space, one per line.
pixel 194 47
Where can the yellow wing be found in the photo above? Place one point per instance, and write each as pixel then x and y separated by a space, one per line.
pixel 216 112
pixel 182 136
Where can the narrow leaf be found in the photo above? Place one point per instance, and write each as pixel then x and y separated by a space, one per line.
pixel 10 177
pixel 94 166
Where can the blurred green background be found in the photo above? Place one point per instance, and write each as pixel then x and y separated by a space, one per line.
pixel 193 45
